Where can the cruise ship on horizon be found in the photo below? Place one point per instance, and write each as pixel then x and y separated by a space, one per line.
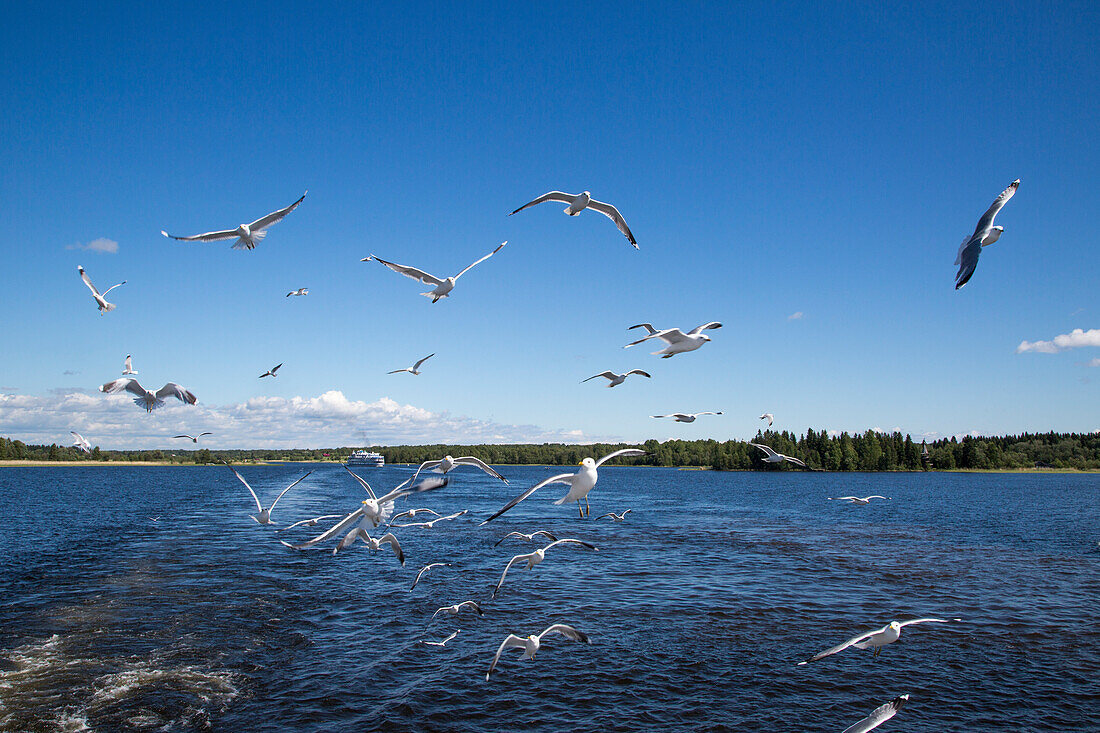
pixel 366 458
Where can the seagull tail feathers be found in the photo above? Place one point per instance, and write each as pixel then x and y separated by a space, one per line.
pixel 108 306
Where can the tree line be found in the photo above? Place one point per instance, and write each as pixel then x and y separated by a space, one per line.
pixel 869 451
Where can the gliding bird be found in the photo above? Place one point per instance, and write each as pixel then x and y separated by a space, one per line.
pixel 414 369
pixel 100 299
pixel 192 438
pixel 862 501
pixel 447 464
pixel 149 400
pixel 531 644
pixel 769 417
pixel 876 639
pixel 263 516
pixel 247 235
pixel 431 523
pixel 299 291
pixel 271 372
pixel 770 456
pixel 613 379
pixel 439 644
pixel 534 558
pixel 443 286
pixel 529 537
pixel 457 608
pixel 374 544
pixel 614 516
pixel 129 368
pixel 81 443
pixel 578 202
pixel 686 417
pixel 425 569
pixel 984 235
pixel 677 341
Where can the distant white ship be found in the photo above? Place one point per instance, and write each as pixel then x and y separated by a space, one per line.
pixel 366 458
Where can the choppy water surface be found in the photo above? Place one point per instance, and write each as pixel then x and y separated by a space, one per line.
pixel 698 605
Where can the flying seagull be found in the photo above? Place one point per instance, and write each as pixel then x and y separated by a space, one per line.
pixel 677 342
pixel 374 544
pixel 578 202
pixel 772 457
pixel 458 608
pixel 425 569
pixel 414 369
pixel 879 715
pixel 534 558
pixel 247 235
pixel 984 235
pixel 769 417
pixel 149 400
pixel 271 372
pixel 613 379
pixel 100 299
pixel 686 417
pixel 876 639
pixel 439 644
pixel 862 501
pixel 614 516
pixel 447 464
pixel 413 513
pixel 431 523
pixel 443 286
pixel 81 443
pixel 530 645
pixel 580 483
pixel 263 516
pixel 299 291
pixel 129 368
pixel 310 522
pixel 529 537
pixel 192 438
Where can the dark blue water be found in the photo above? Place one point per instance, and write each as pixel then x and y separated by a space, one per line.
pixel 699 605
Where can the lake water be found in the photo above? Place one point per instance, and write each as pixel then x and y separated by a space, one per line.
pixel 699 605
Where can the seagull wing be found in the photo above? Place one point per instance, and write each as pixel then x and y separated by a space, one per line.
pixel 795 461
pixel 659 335
pixel 471 266
pixel 513 561
pixel 398 371
pixel 927 620
pixel 362 483
pixel 259 507
pixel 336 529
pixel 879 715
pixel 112 288
pixel 389 539
pixel 565 198
pixel 613 214
pixel 412 272
pixel 185 435
pixel 959 256
pixel 288 488
pixel 616 454
pixel 968 261
pixel 417 364
pixel 842 647
pixel 606 375
pixel 426 464
pixel 699 329
pixel 315 520
pixel 567 631
pixel 88 282
pixel 478 463
pixel 207 237
pixel 202 434
pixel 563 478
pixel 428 484
pixel 987 218
pixel 765 448
pixel 127 384
pixel 171 389
pixel 275 369
pixel 275 216
pixel 638 371
pixel 512 642
pixel 570 541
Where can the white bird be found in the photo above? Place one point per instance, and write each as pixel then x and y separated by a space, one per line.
pixel 299 291
pixel 373 544
pixel 447 464
pixel 129 368
pixel 677 341
pixel 372 512
pixel 879 715
pixel 425 569
pixel 100 298
pixel 154 519
pixel 263 516
pixel 614 516
pixel 770 456
pixel 149 400
pixel 192 438
pixel 443 286
pixel 310 522
pixel 271 372
pixel 412 513
pixel 856 499
pixel 247 235
pixel 458 608
pixel 81 443
pixel 529 537
pixel 876 639
pixel 439 644
pixel 984 235
pixel 431 523
pixel 686 417
pixel 531 644
pixel 580 483
pixel 414 369
pixel 613 379
pixel 769 417
pixel 578 202
pixel 534 558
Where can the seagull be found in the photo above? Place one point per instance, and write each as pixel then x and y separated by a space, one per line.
pixel 425 569
pixel 263 516
pixel 100 299
pixel 984 235
pixel 271 372
pixel 686 417
pixel 443 286
pixel 580 483
pixel 374 544
pixel 247 235
pixel 149 400
pixel 614 380
pixel 529 537
pixel 876 639
pixel 129 368
pixel 431 523
pixel 310 522
pixel 439 644
pixel 878 716
pixel 530 645
pixel 412 513
pixel 457 608
pixel 373 510
pixel 154 519
pixel 81 443
pixel 414 369
pixel 616 517
pixel 447 464
pixel 857 500
pixel 769 417
pixel 578 202
pixel 534 558
pixel 677 341
pixel 193 438
pixel 773 457
pixel 299 291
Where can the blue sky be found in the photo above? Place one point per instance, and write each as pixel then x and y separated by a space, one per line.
pixel 770 158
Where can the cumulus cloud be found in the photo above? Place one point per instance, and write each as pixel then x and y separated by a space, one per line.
pixel 1075 339
pixel 327 420
pixel 796 316
pixel 101 246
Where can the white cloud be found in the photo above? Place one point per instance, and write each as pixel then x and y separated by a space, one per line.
pixel 328 420
pixel 101 245
pixel 796 316
pixel 1073 340
pixel 1094 362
